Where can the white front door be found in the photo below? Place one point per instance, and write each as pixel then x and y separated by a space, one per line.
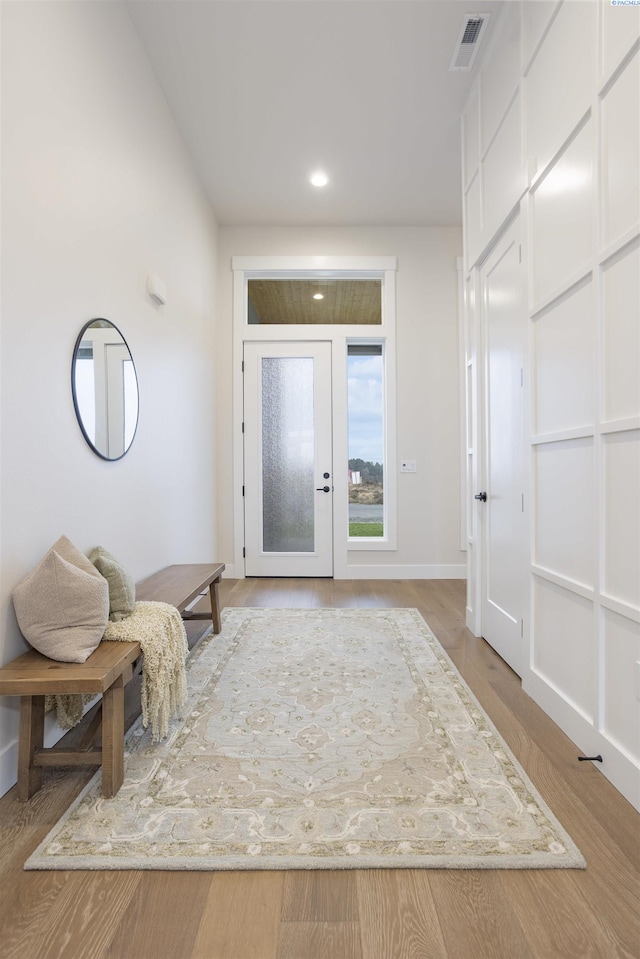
pixel 288 488
pixel 502 513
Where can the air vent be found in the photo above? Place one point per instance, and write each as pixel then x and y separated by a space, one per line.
pixel 468 43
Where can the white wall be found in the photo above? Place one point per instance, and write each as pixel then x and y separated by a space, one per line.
pixel 97 191
pixel 427 376
pixel 567 112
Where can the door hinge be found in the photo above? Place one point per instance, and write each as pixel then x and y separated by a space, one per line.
pixel 244 552
pixel 522 376
pixel 522 627
pixel 242 364
pixel 243 490
pixel 243 427
pixel 520 253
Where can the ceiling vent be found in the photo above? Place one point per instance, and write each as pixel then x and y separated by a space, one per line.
pixel 468 43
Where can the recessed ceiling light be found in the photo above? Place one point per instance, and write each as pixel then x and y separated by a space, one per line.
pixel 319 178
pixel 318 296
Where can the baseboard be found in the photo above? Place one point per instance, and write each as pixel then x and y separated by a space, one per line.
pixel 617 767
pixel 8 767
pixel 457 571
pixel 472 621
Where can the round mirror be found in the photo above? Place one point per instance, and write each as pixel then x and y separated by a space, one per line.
pixel 105 389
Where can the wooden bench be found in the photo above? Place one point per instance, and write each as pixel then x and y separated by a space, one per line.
pixel 33 676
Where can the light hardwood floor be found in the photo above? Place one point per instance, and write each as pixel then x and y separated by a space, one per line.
pixel 368 914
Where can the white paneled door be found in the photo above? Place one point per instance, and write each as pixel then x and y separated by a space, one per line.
pixel 501 500
pixel 288 471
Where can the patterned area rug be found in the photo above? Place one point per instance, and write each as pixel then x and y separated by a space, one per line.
pixel 323 738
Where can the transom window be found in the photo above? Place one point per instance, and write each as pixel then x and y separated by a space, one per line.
pixel 315 301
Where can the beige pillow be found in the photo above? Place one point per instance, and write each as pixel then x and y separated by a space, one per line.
pixel 122 589
pixel 62 607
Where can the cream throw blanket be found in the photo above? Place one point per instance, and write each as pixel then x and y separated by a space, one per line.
pixel 160 631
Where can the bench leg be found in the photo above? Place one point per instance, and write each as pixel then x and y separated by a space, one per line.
pixel 113 738
pixel 215 605
pixel 95 723
pixel 31 739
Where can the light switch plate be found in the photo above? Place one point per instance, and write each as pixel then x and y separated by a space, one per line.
pixel 407 466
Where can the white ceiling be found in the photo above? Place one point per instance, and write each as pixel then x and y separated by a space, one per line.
pixel 266 91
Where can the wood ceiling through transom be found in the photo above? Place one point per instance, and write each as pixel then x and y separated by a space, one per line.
pixel 292 301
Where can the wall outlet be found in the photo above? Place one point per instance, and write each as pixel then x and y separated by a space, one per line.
pixel 407 466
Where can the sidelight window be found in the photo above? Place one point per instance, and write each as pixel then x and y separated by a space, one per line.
pixel 366 428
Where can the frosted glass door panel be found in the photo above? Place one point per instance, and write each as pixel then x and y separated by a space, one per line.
pixel 288 490
pixel 288 473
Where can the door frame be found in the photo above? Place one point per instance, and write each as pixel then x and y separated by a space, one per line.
pixel 299 267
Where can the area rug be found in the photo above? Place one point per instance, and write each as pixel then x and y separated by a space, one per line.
pixel 317 739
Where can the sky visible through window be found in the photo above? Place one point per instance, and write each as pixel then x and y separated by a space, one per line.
pixel 365 408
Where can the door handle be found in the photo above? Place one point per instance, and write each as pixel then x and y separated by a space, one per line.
pixel 481 496
pixel 323 489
